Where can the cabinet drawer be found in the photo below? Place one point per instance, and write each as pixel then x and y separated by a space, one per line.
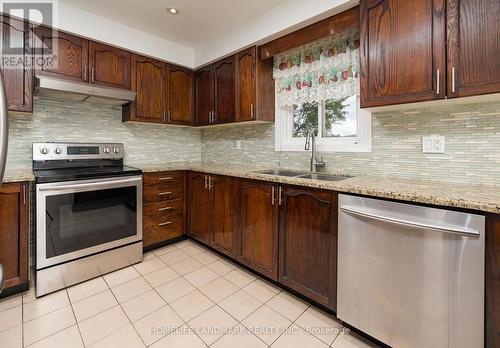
pixel 163 192
pixel 161 225
pixel 162 209
pixel 163 178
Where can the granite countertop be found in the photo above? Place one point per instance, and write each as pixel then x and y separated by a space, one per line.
pixel 476 197
pixel 18 175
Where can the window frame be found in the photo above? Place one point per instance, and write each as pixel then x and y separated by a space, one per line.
pixel 284 140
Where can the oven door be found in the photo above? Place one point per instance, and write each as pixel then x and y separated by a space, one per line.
pixel 80 218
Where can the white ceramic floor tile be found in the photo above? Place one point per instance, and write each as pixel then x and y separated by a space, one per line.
pixel 87 289
pixel 221 266
pixel 192 250
pixel 95 304
pixel 149 266
pixel 212 324
pixel 240 305
pixel 186 266
pixel 266 324
pixel 161 276
pixel 261 290
pixel 165 250
pixel 42 327
pixel 174 257
pixel 44 305
pixel 239 277
pixel 11 301
pixel 121 276
pixel 183 337
pixel 148 256
pixel 319 324
pixel 69 337
pixel 158 324
pixel 201 276
pixel 102 325
pixel 123 338
pixel 240 337
pixel 12 338
pixel 11 317
pixel 296 337
pixel 191 305
pixel 205 257
pixel 175 289
pixel 287 305
pixel 143 305
pixel 131 289
pixel 219 289
pixel 183 244
pixel 351 341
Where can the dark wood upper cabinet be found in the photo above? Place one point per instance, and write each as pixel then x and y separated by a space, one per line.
pixel 109 66
pixel 18 80
pixel 258 239
pixel 224 72
pixel 308 243
pixel 246 84
pixel 205 95
pixel 149 82
pixel 181 95
pixel 14 235
pixel 72 54
pixel 402 52
pixel 473 47
pixel 226 213
pixel 199 207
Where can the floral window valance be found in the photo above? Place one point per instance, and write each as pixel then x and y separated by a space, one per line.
pixel 324 69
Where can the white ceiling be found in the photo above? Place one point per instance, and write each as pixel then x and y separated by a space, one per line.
pixel 199 21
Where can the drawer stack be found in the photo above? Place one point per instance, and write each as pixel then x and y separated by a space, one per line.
pixel 163 206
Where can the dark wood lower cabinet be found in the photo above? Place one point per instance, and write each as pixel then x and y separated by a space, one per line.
pixel 226 213
pixel 14 234
pixel 199 207
pixel 492 286
pixel 258 240
pixel 308 243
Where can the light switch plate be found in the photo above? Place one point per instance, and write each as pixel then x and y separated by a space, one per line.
pixel 237 145
pixel 433 144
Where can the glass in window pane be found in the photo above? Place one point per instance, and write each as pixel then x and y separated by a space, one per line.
pixel 341 117
pixel 305 119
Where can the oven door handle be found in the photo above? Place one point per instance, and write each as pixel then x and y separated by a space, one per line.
pixel 90 184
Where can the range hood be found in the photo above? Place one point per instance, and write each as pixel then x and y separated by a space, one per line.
pixel 53 88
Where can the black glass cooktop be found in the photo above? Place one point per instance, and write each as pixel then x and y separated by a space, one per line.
pixel 69 174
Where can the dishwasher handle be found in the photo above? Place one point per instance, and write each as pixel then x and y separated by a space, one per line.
pixel 452 229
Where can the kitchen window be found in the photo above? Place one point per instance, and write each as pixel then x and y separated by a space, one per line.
pixel 317 89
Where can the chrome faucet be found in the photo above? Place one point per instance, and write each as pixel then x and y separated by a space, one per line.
pixel 315 164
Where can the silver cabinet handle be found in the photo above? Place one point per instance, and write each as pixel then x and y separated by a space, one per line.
pixel 164 193
pixel 92 75
pixel 251 110
pixel 165 178
pixel 85 78
pixel 164 116
pixel 165 223
pixel 272 195
pixel 437 82
pixel 280 198
pixel 453 79
pixel 24 194
pixel 210 186
pixel 4 128
pixel 165 208
pixel 210 117
pixel 466 232
pixel 206 181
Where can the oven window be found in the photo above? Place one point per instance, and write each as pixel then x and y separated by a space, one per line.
pixel 82 220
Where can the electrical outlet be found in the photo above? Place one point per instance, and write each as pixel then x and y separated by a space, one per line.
pixel 433 144
pixel 237 145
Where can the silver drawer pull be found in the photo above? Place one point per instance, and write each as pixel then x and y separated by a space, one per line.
pixel 164 193
pixel 165 178
pixel 166 208
pixel 165 223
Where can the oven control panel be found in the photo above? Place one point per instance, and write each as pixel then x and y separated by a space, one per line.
pixel 72 151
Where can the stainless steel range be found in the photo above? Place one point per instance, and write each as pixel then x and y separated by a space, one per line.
pixel 88 213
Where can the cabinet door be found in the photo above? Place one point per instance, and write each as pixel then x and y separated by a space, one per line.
pixel 109 66
pixel 225 90
pixel 226 214
pixel 308 244
pixel 258 244
pixel 148 81
pixel 181 95
pixel 72 54
pixel 199 207
pixel 246 85
pixel 205 92
pixel 14 232
pixel 402 52
pixel 18 80
pixel 473 47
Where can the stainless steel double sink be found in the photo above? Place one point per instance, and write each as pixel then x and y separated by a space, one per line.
pixel 303 175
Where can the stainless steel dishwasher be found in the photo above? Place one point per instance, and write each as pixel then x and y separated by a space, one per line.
pixel 411 276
